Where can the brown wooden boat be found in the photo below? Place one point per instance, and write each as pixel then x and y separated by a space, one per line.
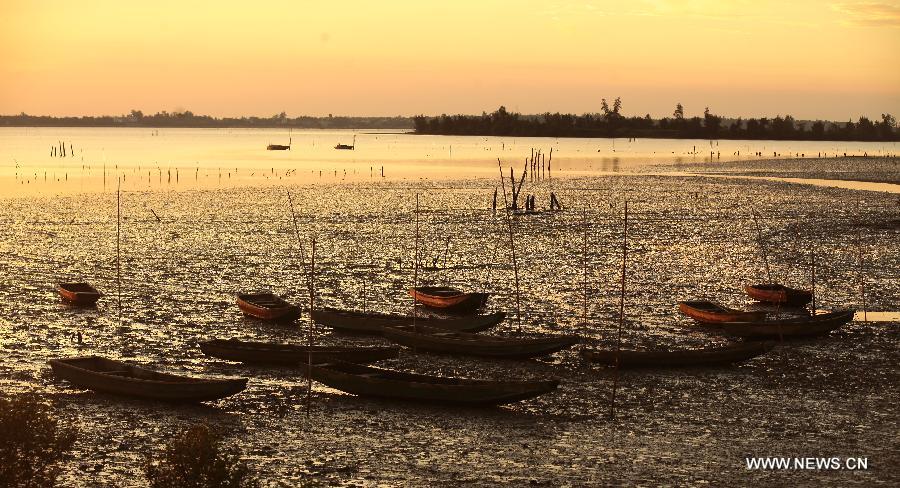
pixel 81 294
pixel 714 355
pixel 806 326
pixel 265 352
pixel 110 376
pixel 454 342
pixel 777 293
pixel 267 306
pixel 373 323
pixel 277 147
pixel 711 312
pixel 448 299
pixel 385 383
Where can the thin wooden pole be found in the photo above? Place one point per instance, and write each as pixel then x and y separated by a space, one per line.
pixel 862 275
pixel 444 266
pixel 584 266
pixel 612 405
pixel 299 241
pixel 312 298
pixel 416 264
pixel 512 246
pixel 118 248
pixel 762 248
pixel 813 264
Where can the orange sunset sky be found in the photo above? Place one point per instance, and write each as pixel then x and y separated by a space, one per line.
pixel 812 59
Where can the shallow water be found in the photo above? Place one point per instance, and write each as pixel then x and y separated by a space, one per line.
pixel 688 237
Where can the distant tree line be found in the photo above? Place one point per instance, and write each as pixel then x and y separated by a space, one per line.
pixel 609 122
pixel 188 119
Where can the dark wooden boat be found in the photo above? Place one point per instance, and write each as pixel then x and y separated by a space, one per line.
pixel 277 147
pixel 714 355
pixel 711 313
pixel 347 146
pixel 267 306
pixel 448 299
pixel 454 342
pixel 373 323
pixel 81 294
pixel 812 325
pixel 385 383
pixel 110 376
pixel 265 352
pixel 777 293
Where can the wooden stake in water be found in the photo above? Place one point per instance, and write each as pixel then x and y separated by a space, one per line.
pixel 312 304
pixel 612 405
pixel 862 275
pixel 584 266
pixel 512 246
pixel 416 264
pixel 813 264
pixel 118 250
pixel 762 248
pixel 299 241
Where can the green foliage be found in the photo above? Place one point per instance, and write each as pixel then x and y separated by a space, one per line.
pixel 197 459
pixel 32 443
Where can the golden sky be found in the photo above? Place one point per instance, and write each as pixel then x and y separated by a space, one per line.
pixel 812 59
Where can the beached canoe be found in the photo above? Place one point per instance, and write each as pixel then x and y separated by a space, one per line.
pixel 373 323
pixel 778 294
pixel 267 306
pixel 385 383
pixel 710 356
pixel 448 299
pixel 806 326
pixel 265 352
pixel 454 342
pixel 711 313
pixel 81 294
pixel 110 376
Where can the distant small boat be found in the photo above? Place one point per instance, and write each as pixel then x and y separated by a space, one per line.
pixel 345 146
pixel 374 323
pixel 714 355
pixel 110 376
pixel 710 312
pixel 278 147
pixel 385 383
pixel 448 299
pixel 779 294
pixel 462 343
pixel 267 306
pixel 265 352
pixel 812 325
pixel 81 294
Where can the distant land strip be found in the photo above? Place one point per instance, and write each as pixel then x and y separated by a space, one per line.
pixel 605 124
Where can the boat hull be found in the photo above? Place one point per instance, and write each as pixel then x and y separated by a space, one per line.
pixel 448 299
pixel 460 343
pixel 395 385
pixel 262 352
pixel 786 328
pixel 732 353
pixel 711 313
pixel 79 294
pixel 109 376
pixel 778 294
pixel 374 323
pixel 272 309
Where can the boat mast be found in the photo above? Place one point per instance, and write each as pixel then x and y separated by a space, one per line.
pixel 512 244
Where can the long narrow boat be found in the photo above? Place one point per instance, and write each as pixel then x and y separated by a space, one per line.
pixel 711 312
pixel 373 323
pixel 265 352
pixel 454 342
pixel 385 383
pixel 792 327
pixel 448 299
pixel 81 294
pixel 110 376
pixel 267 306
pixel 778 294
pixel 715 355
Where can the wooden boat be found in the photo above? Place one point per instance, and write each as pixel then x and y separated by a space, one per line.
pixel 730 353
pixel 265 352
pixel 448 299
pixel 347 146
pixel 777 293
pixel 385 383
pixel 791 327
pixel 454 342
pixel 110 376
pixel 374 323
pixel 267 306
pixel 277 147
pixel 81 294
pixel 711 313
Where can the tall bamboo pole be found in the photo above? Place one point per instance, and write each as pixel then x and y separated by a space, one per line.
pixel 118 250
pixel 762 248
pixel 612 405
pixel 512 246
pixel 584 266
pixel 312 295
pixel 416 264
pixel 862 275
